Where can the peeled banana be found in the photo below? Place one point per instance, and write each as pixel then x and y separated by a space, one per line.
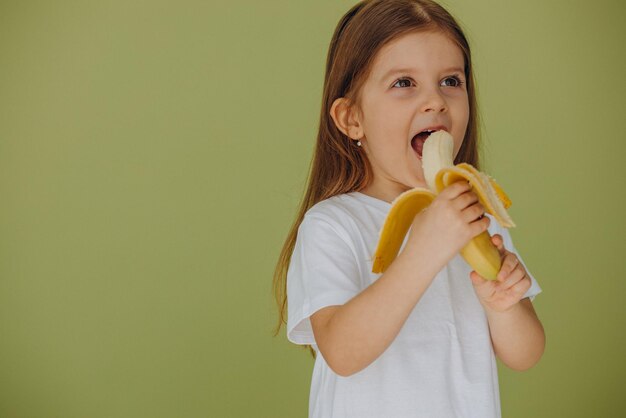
pixel 439 172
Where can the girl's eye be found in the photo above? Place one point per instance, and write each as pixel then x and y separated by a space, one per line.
pixel 405 81
pixel 453 81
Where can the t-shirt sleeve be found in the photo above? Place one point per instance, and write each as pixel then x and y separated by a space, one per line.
pixel 323 271
pixel 508 244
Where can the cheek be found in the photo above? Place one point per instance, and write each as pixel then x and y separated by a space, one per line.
pixel 387 129
pixel 461 116
pixel 461 119
pixel 461 105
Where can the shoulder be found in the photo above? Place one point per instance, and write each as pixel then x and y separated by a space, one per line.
pixel 335 215
pixel 338 204
pixel 335 209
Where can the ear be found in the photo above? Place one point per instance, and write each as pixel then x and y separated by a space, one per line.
pixel 346 118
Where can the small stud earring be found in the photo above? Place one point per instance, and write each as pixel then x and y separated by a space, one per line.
pixel 358 143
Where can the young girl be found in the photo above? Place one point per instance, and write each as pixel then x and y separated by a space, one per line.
pixel 419 340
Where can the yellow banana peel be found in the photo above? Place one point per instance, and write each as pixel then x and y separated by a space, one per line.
pixel 398 221
pixel 439 171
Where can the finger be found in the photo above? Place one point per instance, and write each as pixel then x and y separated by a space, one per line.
pixel 515 277
pixel 482 286
pixel 521 287
pixel 472 213
pixel 477 279
pixel 455 189
pixel 498 241
pixel 509 263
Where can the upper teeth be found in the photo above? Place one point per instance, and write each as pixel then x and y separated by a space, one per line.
pixel 428 131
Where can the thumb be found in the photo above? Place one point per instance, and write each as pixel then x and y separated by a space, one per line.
pixel 476 278
pixel 498 242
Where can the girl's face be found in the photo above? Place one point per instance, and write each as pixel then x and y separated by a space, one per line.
pixel 417 83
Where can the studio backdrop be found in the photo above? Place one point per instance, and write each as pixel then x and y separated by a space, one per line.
pixel 152 158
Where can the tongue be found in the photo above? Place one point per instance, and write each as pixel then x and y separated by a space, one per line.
pixel 418 142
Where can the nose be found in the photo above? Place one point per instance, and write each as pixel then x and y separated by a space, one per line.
pixel 433 101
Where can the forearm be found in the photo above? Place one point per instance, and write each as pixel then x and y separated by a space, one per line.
pixel 517 335
pixel 362 329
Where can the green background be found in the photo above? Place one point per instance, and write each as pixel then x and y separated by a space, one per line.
pixel 152 157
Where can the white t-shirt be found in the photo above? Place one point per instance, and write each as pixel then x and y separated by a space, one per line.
pixel 441 364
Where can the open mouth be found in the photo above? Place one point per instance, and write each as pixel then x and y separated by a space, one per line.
pixel 418 141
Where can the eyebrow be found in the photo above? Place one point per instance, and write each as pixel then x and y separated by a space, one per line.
pixel 394 71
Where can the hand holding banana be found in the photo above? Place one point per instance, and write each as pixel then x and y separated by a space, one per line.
pixel 439 171
pixel 510 287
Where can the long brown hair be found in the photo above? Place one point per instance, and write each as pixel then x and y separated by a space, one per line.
pixel 338 165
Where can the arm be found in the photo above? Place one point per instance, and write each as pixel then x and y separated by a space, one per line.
pixel 517 335
pixel 353 335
